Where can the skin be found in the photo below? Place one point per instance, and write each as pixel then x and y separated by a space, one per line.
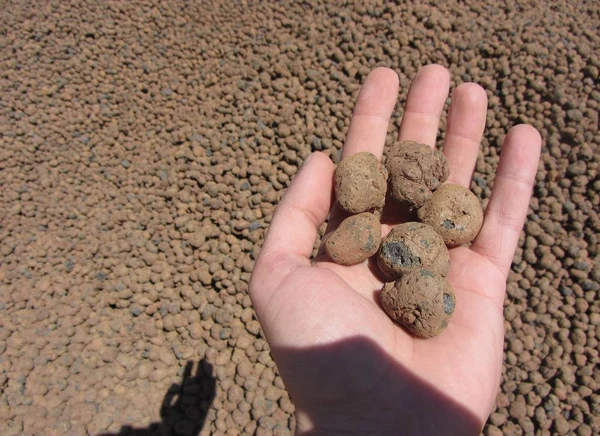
pixel 294 297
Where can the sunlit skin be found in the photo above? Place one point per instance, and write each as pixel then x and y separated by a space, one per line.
pixel 304 304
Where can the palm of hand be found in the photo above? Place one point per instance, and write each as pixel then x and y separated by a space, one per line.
pixel 337 351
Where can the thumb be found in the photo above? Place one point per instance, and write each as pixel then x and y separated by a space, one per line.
pixel 293 230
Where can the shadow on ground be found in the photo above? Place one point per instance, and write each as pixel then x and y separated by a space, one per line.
pixel 184 407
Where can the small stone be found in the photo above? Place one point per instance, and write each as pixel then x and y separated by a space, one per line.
pixel 360 183
pixel 356 239
pixel 109 354
pixel 421 301
pixel 136 310
pixel 455 214
pixel 145 369
pixel 197 239
pixel 196 330
pixel 518 409
pixel 101 276
pixel 416 170
pixel 412 246
pixel 158 375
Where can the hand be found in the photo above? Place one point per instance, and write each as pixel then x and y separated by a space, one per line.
pixel 346 365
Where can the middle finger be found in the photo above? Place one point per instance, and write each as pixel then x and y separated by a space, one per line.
pixel 424 104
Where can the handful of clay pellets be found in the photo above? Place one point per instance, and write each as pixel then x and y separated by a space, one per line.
pixel 413 256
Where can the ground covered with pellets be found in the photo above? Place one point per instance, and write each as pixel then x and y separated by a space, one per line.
pixel 144 146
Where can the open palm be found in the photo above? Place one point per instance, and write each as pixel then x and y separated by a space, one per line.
pixel 346 365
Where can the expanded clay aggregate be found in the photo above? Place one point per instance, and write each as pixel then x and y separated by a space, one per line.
pixel 144 146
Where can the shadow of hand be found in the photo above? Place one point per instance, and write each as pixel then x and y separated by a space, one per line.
pixel 184 407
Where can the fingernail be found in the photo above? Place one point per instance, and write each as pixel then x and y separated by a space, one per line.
pixel 306 161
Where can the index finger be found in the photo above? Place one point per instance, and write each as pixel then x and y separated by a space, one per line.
pixel 372 113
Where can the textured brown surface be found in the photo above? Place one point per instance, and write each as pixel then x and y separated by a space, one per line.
pixel 144 146
pixel 360 183
pixel 412 246
pixel 415 170
pixel 356 239
pixel 421 301
pixel 454 212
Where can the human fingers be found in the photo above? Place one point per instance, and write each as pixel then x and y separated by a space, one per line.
pixel 466 122
pixel 293 230
pixel 372 112
pixel 424 104
pixel 369 123
pixel 507 208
